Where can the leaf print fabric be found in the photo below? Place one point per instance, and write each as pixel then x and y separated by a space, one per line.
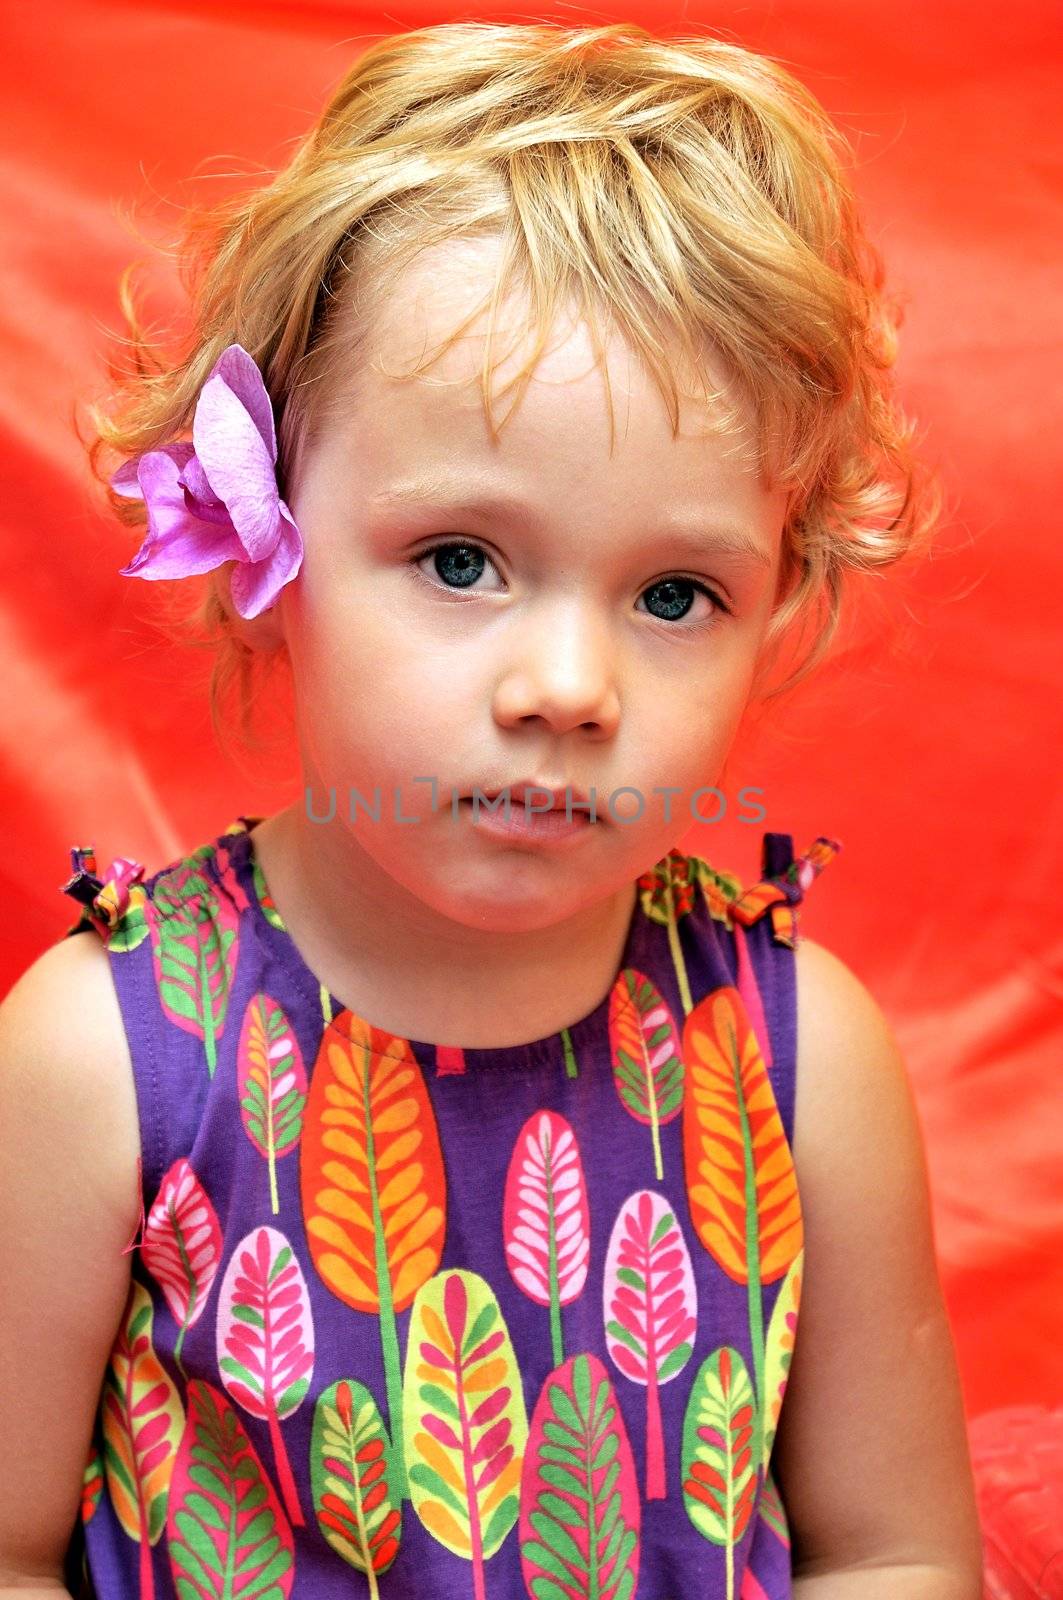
pixel 580 1503
pixel 272 1083
pixel 647 1061
pixel 651 1310
pixel 545 1219
pixel 182 1247
pixel 453 1322
pixel 194 949
pixel 357 1508
pixel 464 1417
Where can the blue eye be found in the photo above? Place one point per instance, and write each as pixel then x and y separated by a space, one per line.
pixel 458 564
pixel 676 604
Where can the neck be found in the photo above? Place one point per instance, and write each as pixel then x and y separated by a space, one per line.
pixel 414 972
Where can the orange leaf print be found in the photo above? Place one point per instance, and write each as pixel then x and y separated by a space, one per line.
pixel 373 1184
pixel 740 1177
pixel 372 1166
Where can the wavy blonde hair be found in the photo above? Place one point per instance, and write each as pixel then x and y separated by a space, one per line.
pixel 690 189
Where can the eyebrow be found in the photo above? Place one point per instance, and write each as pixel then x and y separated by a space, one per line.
pixel 696 535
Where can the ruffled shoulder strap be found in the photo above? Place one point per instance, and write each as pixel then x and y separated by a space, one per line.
pixel 784 880
pixel 116 903
pixel 112 904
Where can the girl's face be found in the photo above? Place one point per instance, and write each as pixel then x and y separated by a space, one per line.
pixel 603 637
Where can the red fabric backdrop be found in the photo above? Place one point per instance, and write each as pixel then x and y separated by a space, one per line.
pixel 929 746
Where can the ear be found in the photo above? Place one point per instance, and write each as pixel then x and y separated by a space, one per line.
pixel 263 633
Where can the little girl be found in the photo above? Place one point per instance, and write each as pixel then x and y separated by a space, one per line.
pixel 526 1210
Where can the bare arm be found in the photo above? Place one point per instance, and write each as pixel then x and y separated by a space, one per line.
pixel 916 1582
pixel 12 1590
pixel 871 1452
pixel 69 1144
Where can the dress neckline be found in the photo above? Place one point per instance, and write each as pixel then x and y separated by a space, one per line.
pixel 565 1043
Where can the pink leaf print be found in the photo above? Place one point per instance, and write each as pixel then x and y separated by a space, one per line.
pixel 545 1217
pixel 266 1339
pixel 181 1246
pixel 650 1310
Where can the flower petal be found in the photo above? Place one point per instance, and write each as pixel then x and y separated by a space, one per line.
pixel 256 585
pixel 178 544
pixel 240 372
pixel 238 466
pixel 127 479
pixel 202 498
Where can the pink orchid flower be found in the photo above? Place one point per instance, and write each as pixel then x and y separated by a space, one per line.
pixel 216 499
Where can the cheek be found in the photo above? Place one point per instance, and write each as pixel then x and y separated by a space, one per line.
pixel 702 698
pixel 373 689
pixel 684 731
pixel 337 640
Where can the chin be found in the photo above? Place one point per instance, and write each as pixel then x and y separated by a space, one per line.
pixel 505 907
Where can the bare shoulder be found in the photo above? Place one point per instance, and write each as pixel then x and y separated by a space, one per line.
pixel 873 1395
pixel 61 1033
pixel 857 1135
pixel 845 1050
pixel 69 1142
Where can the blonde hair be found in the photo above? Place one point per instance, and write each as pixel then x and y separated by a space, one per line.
pixel 692 189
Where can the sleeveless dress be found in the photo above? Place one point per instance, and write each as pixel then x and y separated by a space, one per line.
pixel 441 1323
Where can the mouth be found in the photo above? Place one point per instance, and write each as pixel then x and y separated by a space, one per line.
pixel 533 814
pixel 538 799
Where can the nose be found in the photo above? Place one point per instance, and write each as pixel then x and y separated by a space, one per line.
pixel 561 670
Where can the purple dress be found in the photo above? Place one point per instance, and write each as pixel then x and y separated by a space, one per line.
pixel 445 1323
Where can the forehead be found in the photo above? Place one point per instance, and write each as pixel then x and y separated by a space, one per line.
pixel 431 317
pixel 589 436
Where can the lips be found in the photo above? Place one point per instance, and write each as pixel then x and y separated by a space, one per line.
pixel 560 794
